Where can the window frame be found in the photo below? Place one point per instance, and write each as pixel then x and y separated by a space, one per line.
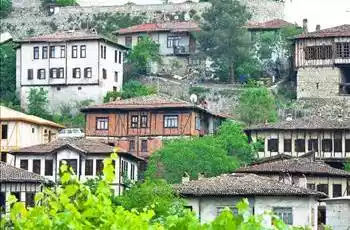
pixel 36 52
pixel 132 171
pixel 75 51
pixel 88 72
pixel 24 161
pixel 3 132
pixel 115 56
pixel 52 52
pixel 75 73
pixel 128 41
pixel 30 74
pixel 173 41
pixel 310 143
pixel 41 74
pixel 45 52
pixel 324 145
pixel 104 73
pixel 52 71
pixel 198 123
pixel 102 123
pixel 62 51
pixel 144 121
pixel 99 167
pixel 116 76
pixel 272 145
pixel 70 165
pixel 287 143
pixel 89 172
pixel 282 212
pixel 132 145
pixel 339 193
pixel 47 172
pixel 120 57
pixel 297 146
pixel 169 119
pixel 320 187
pixel 36 170
pixel 134 121
pixel 60 72
pixel 83 51
pixel 30 199
pixel 144 145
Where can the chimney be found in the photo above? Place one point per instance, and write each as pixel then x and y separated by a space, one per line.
pixel 185 178
pixel 318 27
pixel 305 25
pixel 200 176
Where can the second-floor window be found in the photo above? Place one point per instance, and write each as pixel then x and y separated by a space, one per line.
pixel 116 56
pixel 104 73
pixel 144 121
pixel 337 190
pixel 103 52
pixel 170 121
pixel 134 121
pixel 88 72
pixel 327 145
pixel 36 52
pixel 312 144
pixel 41 74
pixel 132 145
pixel 89 167
pixel 128 41
pixel 322 188
pixel 144 146
pixel 63 52
pixel 23 164
pixel 52 52
pixel 45 52
pixel 120 57
pixel 83 51
pixel 299 145
pixel 343 50
pixel 287 145
pixel 76 73
pixel 272 145
pixel 173 41
pixel 30 74
pixel 48 167
pixel 102 123
pixel 37 166
pixel 74 51
pixel 318 52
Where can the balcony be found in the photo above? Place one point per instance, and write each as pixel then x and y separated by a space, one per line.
pixel 182 50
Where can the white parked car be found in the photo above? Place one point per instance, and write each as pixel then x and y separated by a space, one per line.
pixel 70 133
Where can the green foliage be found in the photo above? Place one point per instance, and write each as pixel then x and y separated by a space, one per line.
pixel 66 2
pixel 257 105
pixel 145 52
pixel 111 95
pixel 213 155
pixel 134 88
pixel 38 102
pixel 347 166
pixel 223 36
pixel 8 73
pixel 198 90
pixel 5 7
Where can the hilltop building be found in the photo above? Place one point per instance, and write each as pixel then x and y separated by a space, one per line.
pixel 19 130
pixel 71 65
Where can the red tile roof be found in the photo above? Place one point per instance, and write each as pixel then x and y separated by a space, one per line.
pixel 272 24
pixel 338 31
pixel 166 26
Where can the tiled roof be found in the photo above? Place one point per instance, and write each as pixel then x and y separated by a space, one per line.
pixel 338 31
pixel 7 114
pixel 238 184
pixel 10 173
pixel 63 36
pixel 306 166
pixel 166 26
pixel 272 24
pixel 84 145
pixel 312 123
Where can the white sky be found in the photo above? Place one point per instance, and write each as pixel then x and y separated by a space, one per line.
pixel 327 13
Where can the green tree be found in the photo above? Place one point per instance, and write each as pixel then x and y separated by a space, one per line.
pixel 223 36
pixel 347 166
pixel 134 88
pixel 257 105
pixel 155 194
pixel 145 52
pixel 38 103
pixel 66 2
pixel 5 7
pixel 8 74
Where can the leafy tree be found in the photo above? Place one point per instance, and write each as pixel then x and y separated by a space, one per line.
pixel 66 2
pixel 223 36
pixel 38 102
pixel 257 105
pixel 8 73
pixel 5 7
pixel 145 52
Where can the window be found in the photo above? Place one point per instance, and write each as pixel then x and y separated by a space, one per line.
pixel 125 168
pixel 326 145
pixel 120 57
pixel 36 52
pixel 338 146
pixel 132 176
pixel 102 123
pixel 88 72
pixel 63 52
pixel 299 145
pixel 116 76
pixel 337 190
pixel 4 132
pixel 33 130
pixel 312 144
pixel 36 166
pixel 23 164
pixel 89 167
pixel 170 121
pixel 83 51
pixel 53 73
pixel 173 41
pixel 30 201
pixel 198 123
pixel 76 73
pixel 44 53
pixel 60 73
pixel 115 89
pixel 144 121
pixel 128 40
pixel 41 74
pixel 233 209
pixel 343 50
pixel 99 167
pixel 74 51
pixel 116 56
pixel 272 145
pixel 52 52
pixel 104 73
pixel 48 167
pixel 30 74
pixel 322 188
pixel 347 145
pixel 104 52
pixel 287 145
pixel 144 146
pixel 132 145
pixel 71 163
pixel 318 52
pixel 286 214
pixel 134 121
pixel 311 186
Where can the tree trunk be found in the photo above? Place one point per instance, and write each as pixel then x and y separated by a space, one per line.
pixel 231 73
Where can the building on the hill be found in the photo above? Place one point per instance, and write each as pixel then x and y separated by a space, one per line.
pixel 71 65
pixel 177 46
pixel 20 183
pixel 338 210
pixel 329 139
pixel 85 156
pixel 322 62
pixel 140 124
pixel 208 197
pixel 256 28
pixel 19 130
